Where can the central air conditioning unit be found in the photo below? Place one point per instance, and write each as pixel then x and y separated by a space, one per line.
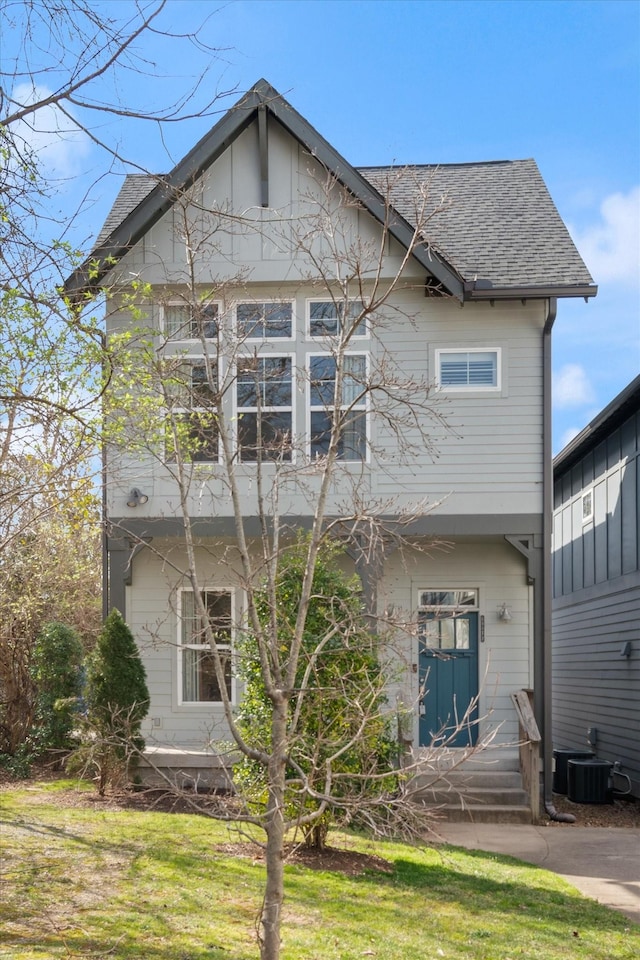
pixel 588 781
pixel 560 760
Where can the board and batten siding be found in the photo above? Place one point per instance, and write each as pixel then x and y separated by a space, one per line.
pixel 596 607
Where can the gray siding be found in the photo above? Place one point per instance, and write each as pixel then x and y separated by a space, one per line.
pixel 597 602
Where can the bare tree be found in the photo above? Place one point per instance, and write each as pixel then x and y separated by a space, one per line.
pixel 210 418
pixel 61 74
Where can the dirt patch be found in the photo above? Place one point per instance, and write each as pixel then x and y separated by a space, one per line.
pixel 619 813
pixel 349 862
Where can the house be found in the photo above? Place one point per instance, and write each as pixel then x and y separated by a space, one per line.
pixel 596 590
pixel 474 257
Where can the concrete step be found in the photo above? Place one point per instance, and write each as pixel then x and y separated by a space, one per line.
pixel 493 813
pixel 461 780
pixel 506 796
pixel 484 794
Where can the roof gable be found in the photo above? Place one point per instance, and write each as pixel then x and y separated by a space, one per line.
pixel 499 235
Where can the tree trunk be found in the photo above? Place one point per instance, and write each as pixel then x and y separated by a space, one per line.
pixel 274 888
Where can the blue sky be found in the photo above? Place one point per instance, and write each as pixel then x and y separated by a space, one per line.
pixel 431 82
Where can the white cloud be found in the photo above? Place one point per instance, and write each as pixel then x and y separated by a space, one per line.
pixel 59 144
pixel 611 247
pixel 571 387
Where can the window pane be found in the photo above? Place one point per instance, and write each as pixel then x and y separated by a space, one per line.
pixel 448 598
pixel 476 369
pixel 355 370
pixel 199 681
pixel 324 317
pixel 264 320
pixel 191 322
pixel 447 629
pixel 194 435
pixel 322 372
pixel 352 441
pixel 269 433
pixel 462 634
pixel 202 394
pixel 268 378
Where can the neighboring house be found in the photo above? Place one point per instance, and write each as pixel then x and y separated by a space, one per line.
pixel 472 317
pixel 596 604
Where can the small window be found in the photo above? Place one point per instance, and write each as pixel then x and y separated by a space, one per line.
pixel 184 321
pixel 326 318
pixel 264 395
pixel 352 441
pixel 192 426
pixel 587 506
pixel 198 679
pixel 468 369
pixel 433 599
pixel 264 321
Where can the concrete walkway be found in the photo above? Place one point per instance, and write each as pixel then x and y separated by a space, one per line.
pixel 602 862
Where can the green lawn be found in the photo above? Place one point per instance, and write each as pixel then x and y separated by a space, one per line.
pixel 83 881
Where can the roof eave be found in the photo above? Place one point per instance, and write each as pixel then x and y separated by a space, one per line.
pixel 621 407
pixel 483 290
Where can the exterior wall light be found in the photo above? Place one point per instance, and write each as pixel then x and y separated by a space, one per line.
pixel 504 613
pixel 136 498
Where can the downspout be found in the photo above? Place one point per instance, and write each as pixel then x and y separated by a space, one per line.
pixel 547 573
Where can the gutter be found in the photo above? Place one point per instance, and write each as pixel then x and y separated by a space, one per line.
pixel 544 674
pixel 483 290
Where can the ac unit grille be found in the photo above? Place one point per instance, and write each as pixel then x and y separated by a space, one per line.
pixel 588 781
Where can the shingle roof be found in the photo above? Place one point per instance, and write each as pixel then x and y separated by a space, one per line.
pixel 499 224
pixel 499 232
pixel 136 187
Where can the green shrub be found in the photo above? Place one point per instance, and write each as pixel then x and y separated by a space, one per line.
pixel 338 702
pixel 117 702
pixel 56 669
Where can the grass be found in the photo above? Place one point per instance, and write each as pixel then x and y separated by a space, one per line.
pixel 82 881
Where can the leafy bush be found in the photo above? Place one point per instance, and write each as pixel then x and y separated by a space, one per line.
pixel 56 668
pixel 337 721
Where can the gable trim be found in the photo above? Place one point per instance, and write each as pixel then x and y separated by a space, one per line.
pixel 263 97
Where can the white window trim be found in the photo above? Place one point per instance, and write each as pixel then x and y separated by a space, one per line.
pixel 323 337
pixel 469 388
pixel 192 358
pixel 587 517
pixel 276 354
pixel 365 406
pixel 179 302
pixel 257 300
pixel 200 704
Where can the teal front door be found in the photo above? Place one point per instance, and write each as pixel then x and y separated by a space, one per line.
pixel 448 678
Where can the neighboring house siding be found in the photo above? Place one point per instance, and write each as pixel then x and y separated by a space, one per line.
pixel 597 600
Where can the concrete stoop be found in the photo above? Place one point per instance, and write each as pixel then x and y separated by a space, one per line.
pixel 475 794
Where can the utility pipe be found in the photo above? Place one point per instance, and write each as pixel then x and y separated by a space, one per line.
pixel 545 674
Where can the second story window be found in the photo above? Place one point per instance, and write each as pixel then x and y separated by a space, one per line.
pixel 192 429
pixel 459 369
pixel 352 419
pixel 264 399
pixel 326 318
pixel 264 321
pixel 186 321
